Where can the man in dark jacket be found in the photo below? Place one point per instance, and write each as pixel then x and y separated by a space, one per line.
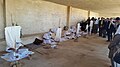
pixel 102 31
pixel 110 29
pixel 114 45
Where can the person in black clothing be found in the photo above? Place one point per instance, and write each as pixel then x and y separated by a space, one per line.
pixel 88 22
pixel 102 31
pixel 110 29
pixel 83 26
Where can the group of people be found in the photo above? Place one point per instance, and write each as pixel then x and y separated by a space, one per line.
pixel 105 27
pixel 56 35
pixel 114 46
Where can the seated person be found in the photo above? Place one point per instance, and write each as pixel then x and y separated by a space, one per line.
pixel 47 39
pixel 69 34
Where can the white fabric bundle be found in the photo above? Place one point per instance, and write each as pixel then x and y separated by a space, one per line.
pixel 58 34
pixel 78 28
pixel 22 53
pixel 12 36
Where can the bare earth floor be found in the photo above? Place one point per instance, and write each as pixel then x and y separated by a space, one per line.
pixel 91 52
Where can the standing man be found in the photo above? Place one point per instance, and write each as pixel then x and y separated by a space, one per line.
pixel 100 26
pixel 91 25
pixel 110 29
pixel 114 46
pixel 96 25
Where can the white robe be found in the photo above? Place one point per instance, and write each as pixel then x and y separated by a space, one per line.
pixel 12 36
pixel 48 38
pixel 91 26
pixel 116 64
pixel 118 30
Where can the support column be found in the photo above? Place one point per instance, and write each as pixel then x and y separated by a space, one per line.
pixel 68 16
pixel 4 12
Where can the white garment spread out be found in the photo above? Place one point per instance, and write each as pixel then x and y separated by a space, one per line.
pixel 58 34
pixel 22 53
pixel 12 36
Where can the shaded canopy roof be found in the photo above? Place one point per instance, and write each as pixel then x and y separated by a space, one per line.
pixel 100 6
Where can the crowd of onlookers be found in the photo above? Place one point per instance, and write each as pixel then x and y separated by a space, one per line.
pixel 106 27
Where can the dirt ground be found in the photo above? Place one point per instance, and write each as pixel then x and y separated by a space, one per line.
pixel 91 52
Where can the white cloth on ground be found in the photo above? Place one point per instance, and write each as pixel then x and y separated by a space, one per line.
pixel 12 36
pixel 13 56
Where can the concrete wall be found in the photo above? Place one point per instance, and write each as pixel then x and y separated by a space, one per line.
pixel 38 16
pixel 109 15
pixel 94 14
pixel 77 15
pixel 35 16
pixel 1 20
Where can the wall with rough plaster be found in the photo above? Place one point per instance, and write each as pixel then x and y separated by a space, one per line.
pixel 109 15
pixel 1 20
pixel 38 16
pixel 94 14
pixel 35 16
pixel 77 15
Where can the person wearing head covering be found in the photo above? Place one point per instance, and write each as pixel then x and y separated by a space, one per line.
pixel 113 47
pixel 47 39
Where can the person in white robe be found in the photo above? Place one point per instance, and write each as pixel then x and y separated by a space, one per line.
pixel 78 30
pixel 47 39
pixel 72 30
pixel 91 27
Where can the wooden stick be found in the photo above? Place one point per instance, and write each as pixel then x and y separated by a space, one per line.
pixel 59 21
pixel 11 18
